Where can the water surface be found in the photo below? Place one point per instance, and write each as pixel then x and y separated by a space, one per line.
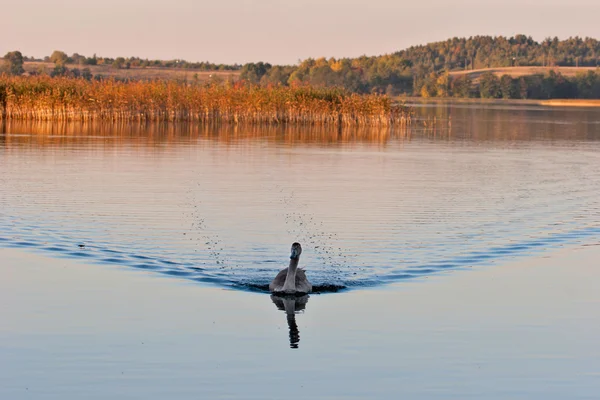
pixel 468 187
pixel 464 249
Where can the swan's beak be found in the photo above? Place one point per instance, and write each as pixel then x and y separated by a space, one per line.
pixel 294 254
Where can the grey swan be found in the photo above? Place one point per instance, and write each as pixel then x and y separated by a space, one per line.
pixel 292 280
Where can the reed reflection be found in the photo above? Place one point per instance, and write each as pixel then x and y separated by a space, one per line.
pixel 441 122
pixel 42 133
pixel 291 305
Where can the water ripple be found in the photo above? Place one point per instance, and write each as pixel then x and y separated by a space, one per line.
pixel 225 213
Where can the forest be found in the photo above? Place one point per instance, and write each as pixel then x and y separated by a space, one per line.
pixel 423 70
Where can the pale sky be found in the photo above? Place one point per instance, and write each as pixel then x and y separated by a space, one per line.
pixel 276 31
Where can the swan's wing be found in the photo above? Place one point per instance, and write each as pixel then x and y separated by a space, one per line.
pixel 300 276
pixel 302 283
pixel 279 280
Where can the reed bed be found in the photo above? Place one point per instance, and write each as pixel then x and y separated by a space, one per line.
pixel 42 98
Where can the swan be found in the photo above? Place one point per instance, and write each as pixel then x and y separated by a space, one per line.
pixel 291 280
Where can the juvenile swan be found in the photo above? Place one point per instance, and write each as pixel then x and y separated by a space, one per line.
pixel 291 280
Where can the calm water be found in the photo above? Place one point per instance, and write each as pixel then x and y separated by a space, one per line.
pixel 472 188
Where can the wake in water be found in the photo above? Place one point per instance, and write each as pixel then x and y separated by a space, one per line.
pixel 257 278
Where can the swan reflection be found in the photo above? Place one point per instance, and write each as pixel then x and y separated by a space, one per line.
pixel 291 305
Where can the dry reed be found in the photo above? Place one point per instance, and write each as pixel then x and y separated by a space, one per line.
pixel 42 98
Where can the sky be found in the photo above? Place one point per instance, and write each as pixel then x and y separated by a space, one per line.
pixel 275 31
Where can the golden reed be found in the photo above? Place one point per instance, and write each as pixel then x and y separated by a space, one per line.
pixel 42 98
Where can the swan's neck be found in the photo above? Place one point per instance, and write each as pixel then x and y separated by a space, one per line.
pixel 290 279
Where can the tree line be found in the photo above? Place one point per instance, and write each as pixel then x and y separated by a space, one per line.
pixel 409 71
pixel 553 85
pixel 77 60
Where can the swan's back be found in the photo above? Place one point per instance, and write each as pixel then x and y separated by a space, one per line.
pixel 302 283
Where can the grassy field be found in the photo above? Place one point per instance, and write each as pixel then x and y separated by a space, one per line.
pixel 517 72
pixel 137 73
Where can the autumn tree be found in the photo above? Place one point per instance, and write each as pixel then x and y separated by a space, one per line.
pixel 277 75
pixel 59 58
pixel 253 72
pixel 506 87
pixel 92 60
pixel 78 59
pixel 14 63
pixel 119 63
pixel 489 86
pixel 443 85
pixel 429 88
pixel 522 88
pixel 86 74
pixel 588 85
pixel 462 86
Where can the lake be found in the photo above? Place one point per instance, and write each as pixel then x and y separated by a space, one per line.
pixel 453 259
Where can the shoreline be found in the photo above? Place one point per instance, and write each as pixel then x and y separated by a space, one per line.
pixel 584 103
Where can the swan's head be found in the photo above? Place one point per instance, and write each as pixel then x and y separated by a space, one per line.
pixel 296 251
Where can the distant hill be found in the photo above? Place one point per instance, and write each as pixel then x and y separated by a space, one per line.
pixel 478 52
pixel 409 70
